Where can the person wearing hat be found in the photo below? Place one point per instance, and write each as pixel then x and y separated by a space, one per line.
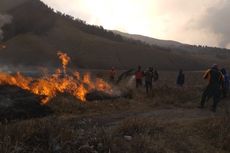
pixel 213 90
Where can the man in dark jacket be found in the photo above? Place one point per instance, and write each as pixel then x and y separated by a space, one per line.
pixel 149 80
pixel 180 78
pixel 215 78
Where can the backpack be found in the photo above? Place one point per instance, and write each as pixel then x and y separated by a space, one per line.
pixel 215 77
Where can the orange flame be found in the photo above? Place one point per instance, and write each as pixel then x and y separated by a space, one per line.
pixel 65 59
pixel 2 46
pixel 50 85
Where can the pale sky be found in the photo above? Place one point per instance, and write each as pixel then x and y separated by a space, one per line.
pixel 205 22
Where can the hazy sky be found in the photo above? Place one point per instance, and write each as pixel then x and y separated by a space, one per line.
pixel 205 22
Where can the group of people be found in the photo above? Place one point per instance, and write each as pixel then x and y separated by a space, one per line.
pixel 217 87
pixel 149 75
pixel 152 76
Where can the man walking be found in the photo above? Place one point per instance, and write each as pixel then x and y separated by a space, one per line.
pixel 213 89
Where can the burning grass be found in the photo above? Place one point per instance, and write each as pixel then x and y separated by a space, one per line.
pixel 60 82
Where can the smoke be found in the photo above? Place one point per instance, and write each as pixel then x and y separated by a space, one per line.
pixel 217 21
pixel 131 81
pixel 4 19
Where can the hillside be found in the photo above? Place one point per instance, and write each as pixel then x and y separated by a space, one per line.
pixel 6 5
pixel 217 55
pixel 149 40
pixel 34 38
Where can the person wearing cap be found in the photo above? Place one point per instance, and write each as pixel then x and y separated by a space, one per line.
pixel 213 89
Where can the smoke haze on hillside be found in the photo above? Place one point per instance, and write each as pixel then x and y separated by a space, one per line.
pixel 4 19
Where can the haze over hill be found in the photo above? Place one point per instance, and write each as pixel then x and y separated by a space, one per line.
pixel 149 40
pixel 34 38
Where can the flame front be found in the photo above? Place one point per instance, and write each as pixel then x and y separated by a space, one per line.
pixel 50 85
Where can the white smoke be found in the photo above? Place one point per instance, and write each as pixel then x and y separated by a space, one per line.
pixel 131 81
pixel 4 19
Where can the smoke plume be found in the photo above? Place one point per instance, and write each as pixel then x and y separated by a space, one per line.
pixel 216 20
pixel 4 19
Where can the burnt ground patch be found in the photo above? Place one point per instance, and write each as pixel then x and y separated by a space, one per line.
pixel 100 95
pixel 16 103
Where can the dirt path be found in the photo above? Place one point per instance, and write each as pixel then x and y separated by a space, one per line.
pixel 170 115
pixel 165 115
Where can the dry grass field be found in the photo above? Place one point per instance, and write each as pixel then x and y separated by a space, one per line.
pixel 164 121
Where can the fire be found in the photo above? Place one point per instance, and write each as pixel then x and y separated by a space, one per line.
pixel 50 85
pixel 17 80
pixel 65 59
pixel 2 46
pixel 101 85
pixel 87 81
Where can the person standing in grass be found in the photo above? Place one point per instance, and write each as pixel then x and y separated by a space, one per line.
pixel 138 76
pixel 112 74
pixel 149 79
pixel 180 78
pixel 213 89
pixel 155 76
pixel 225 82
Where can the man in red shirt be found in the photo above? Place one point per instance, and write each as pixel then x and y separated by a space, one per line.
pixel 138 76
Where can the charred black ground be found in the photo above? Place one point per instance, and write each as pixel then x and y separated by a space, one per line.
pixel 16 103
